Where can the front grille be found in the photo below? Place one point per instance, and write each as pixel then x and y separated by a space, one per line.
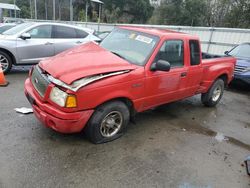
pixel 39 81
pixel 239 69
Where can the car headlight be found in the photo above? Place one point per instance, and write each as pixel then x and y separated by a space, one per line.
pixel 62 98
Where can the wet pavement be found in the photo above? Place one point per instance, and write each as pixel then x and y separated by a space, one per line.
pixel 182 144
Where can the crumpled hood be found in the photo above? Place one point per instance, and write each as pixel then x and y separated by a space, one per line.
pixel 243 62
pixel 83 61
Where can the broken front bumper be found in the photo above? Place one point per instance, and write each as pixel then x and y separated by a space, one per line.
pixel 52 117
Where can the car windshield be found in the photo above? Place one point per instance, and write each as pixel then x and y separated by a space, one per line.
pixel 241 51
pixel 135 47
pixel 5 28
pixel 17 29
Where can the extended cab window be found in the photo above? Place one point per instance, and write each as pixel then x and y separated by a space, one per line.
pixel 43 31
pixel 195 56
pixel 173 52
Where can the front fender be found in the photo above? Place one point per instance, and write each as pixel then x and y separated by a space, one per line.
pixel 132 90
pixel 9 46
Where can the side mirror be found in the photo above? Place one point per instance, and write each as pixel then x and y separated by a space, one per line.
pixel 226 52
pixel 98 41
pixel 161 65
pixel 25 36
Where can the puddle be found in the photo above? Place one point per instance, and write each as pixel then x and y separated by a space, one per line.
pixel 169 113
pixel 197 128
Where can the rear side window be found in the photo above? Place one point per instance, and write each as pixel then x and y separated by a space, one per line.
pixel 81 34
pixel 63 32
pixel 173 52
pixel 195 56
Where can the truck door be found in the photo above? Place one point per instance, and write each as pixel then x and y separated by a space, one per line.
pixel 163 87
pixel 194 73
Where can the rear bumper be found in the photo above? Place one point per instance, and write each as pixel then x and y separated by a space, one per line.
pixel 243 78
pixel 53 118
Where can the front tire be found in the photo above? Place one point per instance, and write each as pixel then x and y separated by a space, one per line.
pixel 214 94
pixel 108 122
pixel 6 62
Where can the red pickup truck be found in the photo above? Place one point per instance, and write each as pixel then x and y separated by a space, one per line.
pixel 98 88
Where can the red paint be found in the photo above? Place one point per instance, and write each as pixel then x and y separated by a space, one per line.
pixel 143 87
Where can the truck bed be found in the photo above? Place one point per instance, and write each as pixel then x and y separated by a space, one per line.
pixel 214 65
pixel 211 56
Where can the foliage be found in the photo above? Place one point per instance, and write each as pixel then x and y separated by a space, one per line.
pixel 24 6
pixel 216 13
pixel 239 16
pixel 128 11
pixel 212 13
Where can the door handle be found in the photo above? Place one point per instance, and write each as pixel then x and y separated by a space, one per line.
pixel 48 43
pixel 79 42
pixel 183 74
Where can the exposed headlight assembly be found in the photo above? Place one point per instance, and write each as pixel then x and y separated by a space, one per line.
pixel 62 98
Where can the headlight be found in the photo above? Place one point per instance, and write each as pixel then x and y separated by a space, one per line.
pixel 62 98
pixel 58 96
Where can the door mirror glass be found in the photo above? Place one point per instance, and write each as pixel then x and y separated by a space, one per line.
pixel 161 65
pixel 25 36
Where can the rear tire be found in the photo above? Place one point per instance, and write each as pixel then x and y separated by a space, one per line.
pixel 108 122
pixel 6 62
pixel 214 94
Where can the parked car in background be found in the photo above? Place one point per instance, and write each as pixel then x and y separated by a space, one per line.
pixel 242 68
pixel 29 43
pixel 13 20
pixel 99 88
pixel 5 27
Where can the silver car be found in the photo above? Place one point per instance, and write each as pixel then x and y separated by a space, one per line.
pixel 29 43
pixel 5 27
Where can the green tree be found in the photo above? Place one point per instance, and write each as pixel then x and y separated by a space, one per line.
pixel 193 13
pixel 128 11
pixel 239 16
pixel 25 8
pixel 169 12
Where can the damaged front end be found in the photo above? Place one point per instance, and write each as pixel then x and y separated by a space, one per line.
pixel 76 85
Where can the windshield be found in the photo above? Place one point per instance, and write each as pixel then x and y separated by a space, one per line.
pixel 133 46
pixel 5 28
pixel 17 29
pixel 241 51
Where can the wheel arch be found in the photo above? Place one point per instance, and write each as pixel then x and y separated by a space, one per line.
pixel 224 77
pixel 127 101
pixel 10 54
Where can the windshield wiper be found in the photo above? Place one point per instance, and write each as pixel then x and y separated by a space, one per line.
pixel 119 55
